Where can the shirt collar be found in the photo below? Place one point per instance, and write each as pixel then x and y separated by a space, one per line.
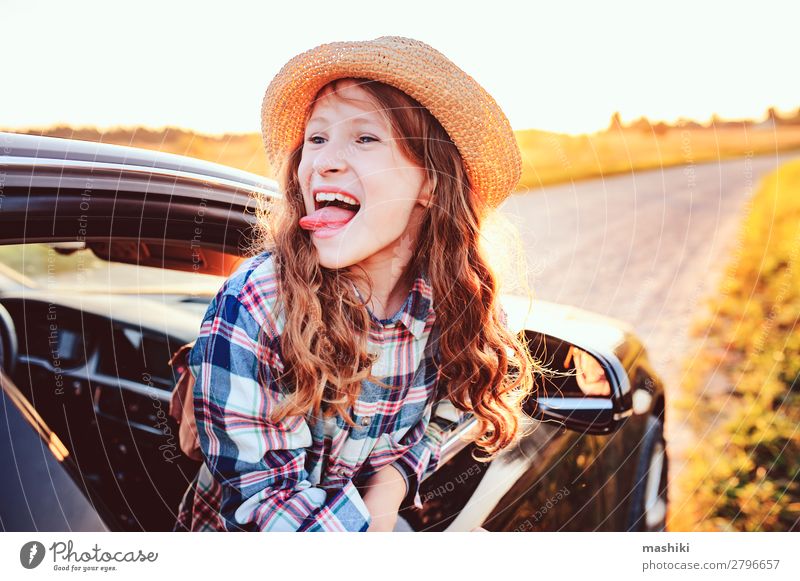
pixel 417 308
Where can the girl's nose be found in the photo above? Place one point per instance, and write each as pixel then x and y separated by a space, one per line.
pixel 330 161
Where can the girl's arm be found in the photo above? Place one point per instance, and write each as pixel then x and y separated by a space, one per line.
pixel 259 465
pixel 385 491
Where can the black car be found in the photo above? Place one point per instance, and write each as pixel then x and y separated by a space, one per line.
pixel 109 256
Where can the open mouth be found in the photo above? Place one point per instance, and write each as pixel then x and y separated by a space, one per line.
pixel 331 212
pixel 323 200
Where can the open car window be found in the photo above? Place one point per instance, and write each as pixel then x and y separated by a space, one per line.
pixel 72 266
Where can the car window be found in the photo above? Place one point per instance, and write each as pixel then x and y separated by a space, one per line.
pixel 71 266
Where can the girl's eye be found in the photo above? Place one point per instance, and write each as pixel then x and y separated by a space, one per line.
pixel 317 140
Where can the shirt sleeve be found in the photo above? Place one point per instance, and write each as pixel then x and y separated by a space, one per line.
pixel 422 459
pixel 260 465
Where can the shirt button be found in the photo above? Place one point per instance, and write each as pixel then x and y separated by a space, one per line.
pixel 365 420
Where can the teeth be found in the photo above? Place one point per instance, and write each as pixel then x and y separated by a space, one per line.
pixel 330 196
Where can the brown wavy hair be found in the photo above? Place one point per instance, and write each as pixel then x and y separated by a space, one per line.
pixel 484 368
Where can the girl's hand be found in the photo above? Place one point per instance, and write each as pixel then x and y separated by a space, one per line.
pixel 385 491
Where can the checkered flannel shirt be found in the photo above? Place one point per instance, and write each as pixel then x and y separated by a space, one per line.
pixel 299 475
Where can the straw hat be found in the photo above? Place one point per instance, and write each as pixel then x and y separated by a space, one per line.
pixel 471 117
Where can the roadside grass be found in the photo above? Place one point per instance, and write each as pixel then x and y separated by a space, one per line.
pixel 550 158
pixel 741 394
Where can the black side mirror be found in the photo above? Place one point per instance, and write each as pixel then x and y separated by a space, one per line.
pixel 578 388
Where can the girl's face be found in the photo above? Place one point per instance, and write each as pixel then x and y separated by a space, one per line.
pixel 349 149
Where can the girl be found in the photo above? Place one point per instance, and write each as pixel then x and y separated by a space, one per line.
pixel 370 306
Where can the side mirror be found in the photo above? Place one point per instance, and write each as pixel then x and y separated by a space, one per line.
pixel 579 388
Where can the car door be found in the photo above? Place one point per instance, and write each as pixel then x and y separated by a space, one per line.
pixel 37 491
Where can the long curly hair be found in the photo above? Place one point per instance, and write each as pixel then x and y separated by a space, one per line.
pixel 483 367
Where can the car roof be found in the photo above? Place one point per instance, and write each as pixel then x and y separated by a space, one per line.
pixel 45 149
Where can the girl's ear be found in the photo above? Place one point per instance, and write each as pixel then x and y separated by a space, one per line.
pixel 426 192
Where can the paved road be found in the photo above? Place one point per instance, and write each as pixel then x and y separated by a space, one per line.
pixel 646 248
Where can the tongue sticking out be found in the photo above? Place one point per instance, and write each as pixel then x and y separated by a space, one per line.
pixel 327 217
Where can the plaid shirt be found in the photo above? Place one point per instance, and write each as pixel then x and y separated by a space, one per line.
pixel 298 475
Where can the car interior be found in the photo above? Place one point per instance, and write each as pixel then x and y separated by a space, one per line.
pixel 95 367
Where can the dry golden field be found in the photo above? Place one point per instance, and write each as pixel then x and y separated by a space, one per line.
pixel 547 157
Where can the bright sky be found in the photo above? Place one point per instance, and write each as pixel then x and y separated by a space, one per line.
pixel 558 66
